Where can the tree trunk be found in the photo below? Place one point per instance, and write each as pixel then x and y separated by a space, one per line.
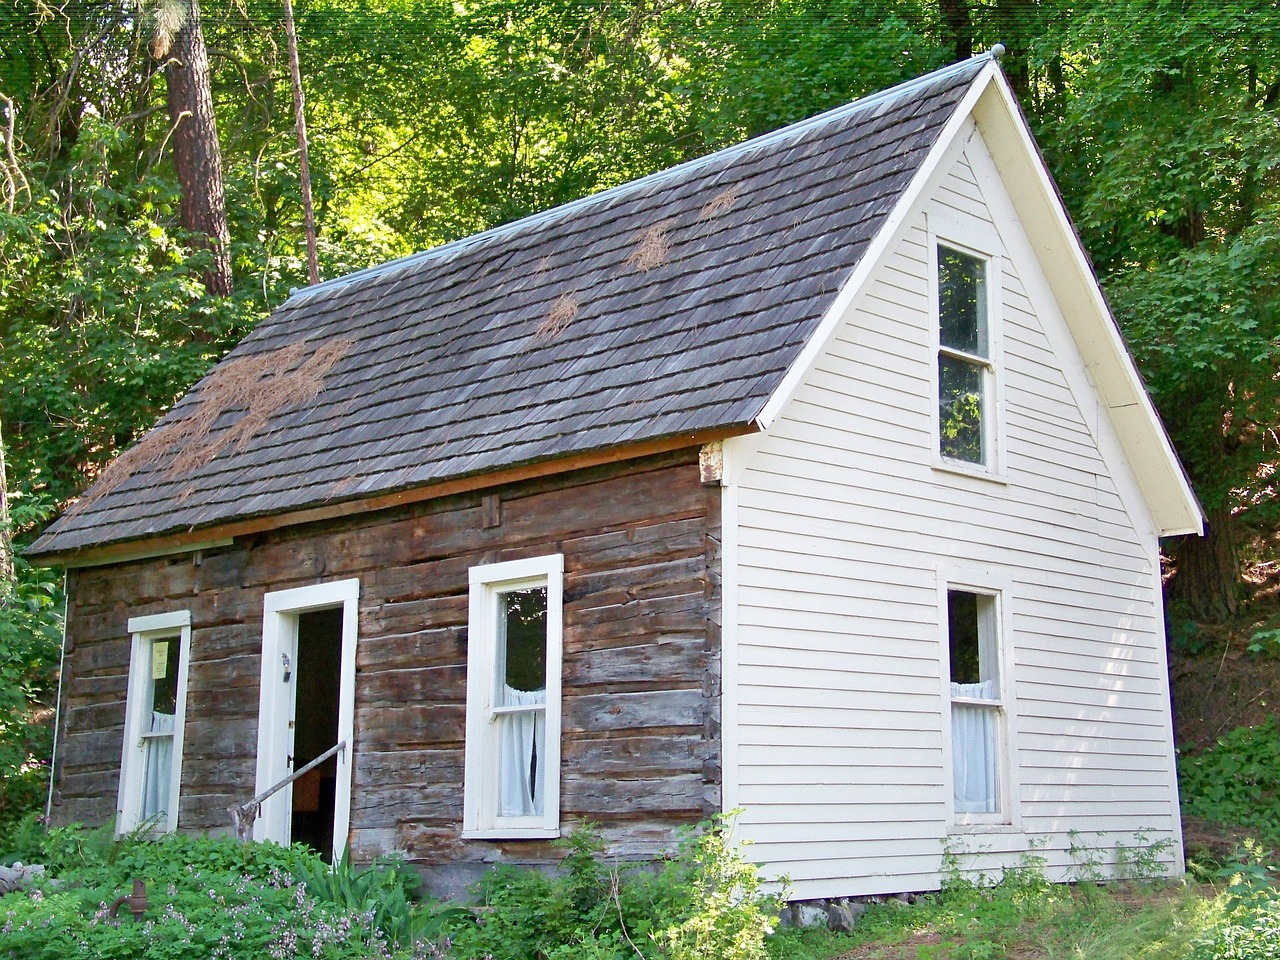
pixel 1207 570
pixel 1014 22
pixel 196 153
pixel 6 534
pixel 957 28
pixel 304 166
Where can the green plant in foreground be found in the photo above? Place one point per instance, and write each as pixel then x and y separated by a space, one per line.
pixel 729 915
pixel 384 892
pixel 1237 780
pixel 706 902
pixel 1265 642
pixel 1249 925
pixel 207 898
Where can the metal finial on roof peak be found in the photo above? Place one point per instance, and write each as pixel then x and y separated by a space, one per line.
pixel 997 51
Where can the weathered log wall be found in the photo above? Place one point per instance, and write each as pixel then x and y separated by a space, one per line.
pixel 641 659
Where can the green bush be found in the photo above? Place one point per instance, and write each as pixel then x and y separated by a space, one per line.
pixel 207 898
pixel 216 898
pixel 384 892
pixel 1236 781
pixel 707 902
pixel 30 638
pixel 1250 926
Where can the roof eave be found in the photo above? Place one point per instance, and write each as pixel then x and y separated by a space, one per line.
pixel 171 542
pixel 1159 473
pixel 1160 476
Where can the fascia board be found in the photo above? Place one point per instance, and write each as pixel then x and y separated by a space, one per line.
pixel 1155 464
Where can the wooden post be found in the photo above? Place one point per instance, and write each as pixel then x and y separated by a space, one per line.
pixel 304 166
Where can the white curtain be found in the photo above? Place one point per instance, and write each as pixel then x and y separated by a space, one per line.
pixel 521 743
pixel 975 746
pixel 157 752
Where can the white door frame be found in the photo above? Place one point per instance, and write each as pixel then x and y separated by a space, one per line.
pixel 280 612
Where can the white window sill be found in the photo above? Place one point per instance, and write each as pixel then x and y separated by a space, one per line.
pixel 974 471
pixel 512 833
pixel 979 826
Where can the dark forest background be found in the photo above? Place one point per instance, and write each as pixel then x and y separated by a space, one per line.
pixel 151 203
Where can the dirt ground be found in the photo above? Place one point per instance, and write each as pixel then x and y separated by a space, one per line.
pixel 1218 684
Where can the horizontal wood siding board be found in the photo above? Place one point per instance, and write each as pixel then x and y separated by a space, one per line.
pixel 640 712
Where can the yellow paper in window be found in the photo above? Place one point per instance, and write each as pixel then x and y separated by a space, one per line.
pixel 159 659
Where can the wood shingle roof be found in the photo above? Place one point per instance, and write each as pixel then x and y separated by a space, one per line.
pixel 673 305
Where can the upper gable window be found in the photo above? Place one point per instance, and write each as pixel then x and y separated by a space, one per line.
pixel 966 370
pixel 155 710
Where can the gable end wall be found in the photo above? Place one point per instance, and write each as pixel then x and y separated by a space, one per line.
pixel 837 529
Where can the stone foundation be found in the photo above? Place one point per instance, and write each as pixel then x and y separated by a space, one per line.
pixel 837 913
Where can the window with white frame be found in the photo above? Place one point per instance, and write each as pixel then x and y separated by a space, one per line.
pixel 977 705
pixel 512 777
pixel 155 711
pixel 966 370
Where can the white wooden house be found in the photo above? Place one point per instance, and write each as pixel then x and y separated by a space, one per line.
pixel 820 463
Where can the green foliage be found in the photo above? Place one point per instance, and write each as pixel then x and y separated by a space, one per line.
pixel 726 913
pixel 761 66
pixel 1237 780
pixel 707 902
pixel 1265 643
pixel 1167 153
pixel 30 636
pixel 1249 928
pixel 383 892
pixel 207 897
pixel 103 323
pixel 1184 634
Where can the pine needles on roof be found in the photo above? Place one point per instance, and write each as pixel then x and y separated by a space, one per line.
pixel 652 249
pixel 722 202
pixel 260 385
pixel 563 312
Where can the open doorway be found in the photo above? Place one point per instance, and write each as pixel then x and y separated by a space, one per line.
pixel 306 707
pixel 318 672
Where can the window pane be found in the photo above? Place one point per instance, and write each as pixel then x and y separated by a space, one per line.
pixel 960 403
pixel 975 728
pixel 962 630
pixel 521 745
pixel 164 675
pixel 522 649
pixel 157 751
pixel 962 302
pixel 522 643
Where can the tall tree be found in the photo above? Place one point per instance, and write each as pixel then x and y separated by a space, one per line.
pixel 957 28
pixel 1170 159
pixel 197 155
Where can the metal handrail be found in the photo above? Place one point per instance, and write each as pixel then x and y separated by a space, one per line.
pixel 244 814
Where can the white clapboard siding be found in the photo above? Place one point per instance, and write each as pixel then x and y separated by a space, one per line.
pixel 841 520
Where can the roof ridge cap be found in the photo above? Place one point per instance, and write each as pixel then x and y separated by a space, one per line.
pixel 799 128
